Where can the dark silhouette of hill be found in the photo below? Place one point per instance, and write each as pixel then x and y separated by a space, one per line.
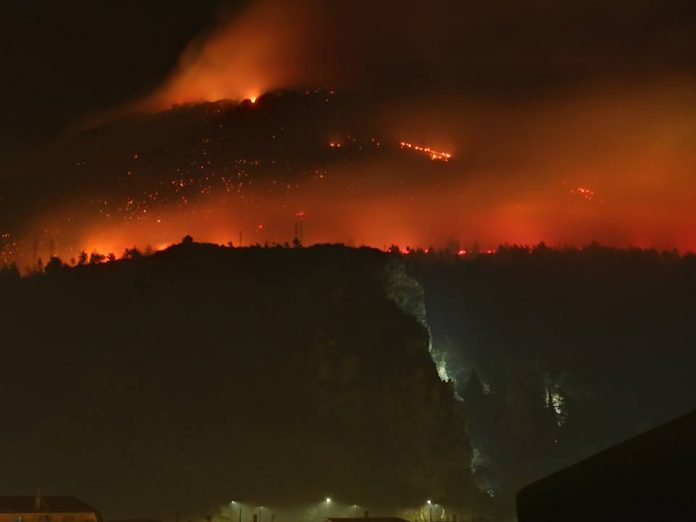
pixel 182 380
pixel 286 374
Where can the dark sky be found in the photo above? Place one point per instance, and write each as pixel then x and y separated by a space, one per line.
pixel 64 60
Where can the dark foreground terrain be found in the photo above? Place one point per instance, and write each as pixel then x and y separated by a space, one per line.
pixel 179 381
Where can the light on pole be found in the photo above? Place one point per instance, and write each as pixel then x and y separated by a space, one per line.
pixel 233 504
pixel 430 508
pixel 328 505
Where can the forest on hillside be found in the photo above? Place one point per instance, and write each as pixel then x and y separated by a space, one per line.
pixel 560 353
pixel 270 375
pixel 280 373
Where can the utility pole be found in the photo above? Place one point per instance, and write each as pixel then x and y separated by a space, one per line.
pixel 299 229
pixel 35 252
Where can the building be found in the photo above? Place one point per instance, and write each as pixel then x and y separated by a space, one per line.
pixel 366 518
pixel 46 509
pixel 647 478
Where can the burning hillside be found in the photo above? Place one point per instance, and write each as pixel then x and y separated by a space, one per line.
pixel 240 172
pixel 146 180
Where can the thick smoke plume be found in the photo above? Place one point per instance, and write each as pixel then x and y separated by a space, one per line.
pixel 567 124
pixel 570 123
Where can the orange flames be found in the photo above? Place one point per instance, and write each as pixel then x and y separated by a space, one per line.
pixel 434 155
pixel 584 192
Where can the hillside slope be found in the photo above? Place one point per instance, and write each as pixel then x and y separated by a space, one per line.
pixel 178 381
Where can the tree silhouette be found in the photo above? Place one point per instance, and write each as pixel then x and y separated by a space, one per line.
pixel 95 258
pixel 132 253
pixel 9 271
pixel 54 266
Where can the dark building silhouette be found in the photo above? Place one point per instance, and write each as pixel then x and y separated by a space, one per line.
pixel 46 509
pixel 362 519
pixel 135 520
pixel 647 478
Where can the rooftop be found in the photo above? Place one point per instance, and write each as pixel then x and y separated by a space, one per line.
pixel 368 519
pixel 47 505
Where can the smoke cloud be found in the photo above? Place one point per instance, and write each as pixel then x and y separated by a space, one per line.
pixel 567 124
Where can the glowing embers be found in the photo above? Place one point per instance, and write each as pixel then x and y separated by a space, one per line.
pixel 435 155
pixel 584 192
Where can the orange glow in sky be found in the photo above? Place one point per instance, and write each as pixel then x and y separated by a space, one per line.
pixel 256 52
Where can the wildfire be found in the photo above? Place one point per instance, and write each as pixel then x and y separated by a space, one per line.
pixel 435 155
pixel 584 192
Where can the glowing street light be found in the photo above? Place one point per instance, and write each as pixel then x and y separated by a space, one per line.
pixel 234 503
pixel 430 507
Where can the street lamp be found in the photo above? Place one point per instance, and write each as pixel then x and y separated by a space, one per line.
pixel 430 507
pixel 234 503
